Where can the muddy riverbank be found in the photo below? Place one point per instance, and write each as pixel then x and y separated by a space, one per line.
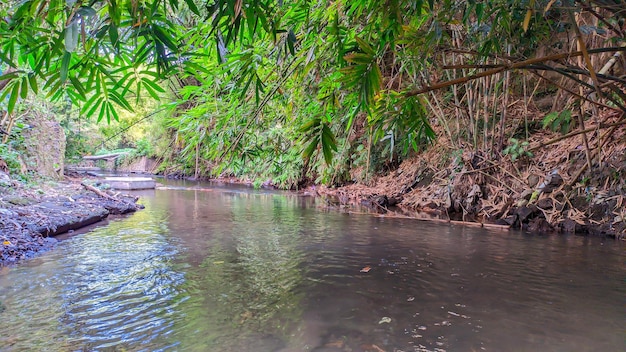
pixel 30 216
pixel 543 185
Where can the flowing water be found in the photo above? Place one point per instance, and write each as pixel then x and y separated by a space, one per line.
pixel 232 269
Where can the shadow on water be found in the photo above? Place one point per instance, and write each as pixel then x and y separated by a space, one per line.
pixel 222 268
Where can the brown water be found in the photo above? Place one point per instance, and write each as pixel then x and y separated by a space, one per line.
pixel 232 269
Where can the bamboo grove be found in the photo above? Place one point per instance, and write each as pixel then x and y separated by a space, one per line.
pixel 323 91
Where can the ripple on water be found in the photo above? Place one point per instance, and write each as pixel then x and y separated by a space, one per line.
pixel 234 271
pixel 108 288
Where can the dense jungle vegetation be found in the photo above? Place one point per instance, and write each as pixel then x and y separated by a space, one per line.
pixel 310 91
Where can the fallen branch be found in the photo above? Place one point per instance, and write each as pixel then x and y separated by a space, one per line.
pixel 97 191
pixel 513 66
pixel 575 133
pixel 560 86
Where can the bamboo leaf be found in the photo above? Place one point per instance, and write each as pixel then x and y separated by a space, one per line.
pixel 10 75
pixel 164 38
pixel 129 85
pixel 291 41
pixel 91 105
pixel 548 6
pixel 193 7
pixel 13 97
pixel 65 64
pixel 71 37
pixel 310 125
pixel 328 137
pixel 526 22
pixel 237 8
pixel 529 15
pixel 32 78
pixel 120 100
pixel 24 88
pixel 308 152
pixel 151 92
pixel 192 66
pixel 103 110
pixel 328 153
pixel 55 89
pixel 114 37
pixel 365 46
pixel 79 87
pixel 152 85
pixel 358 58
pixel 113 113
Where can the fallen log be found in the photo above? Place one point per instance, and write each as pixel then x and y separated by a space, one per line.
pixel 97 191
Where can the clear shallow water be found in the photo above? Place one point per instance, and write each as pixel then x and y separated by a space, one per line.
pixel 230 269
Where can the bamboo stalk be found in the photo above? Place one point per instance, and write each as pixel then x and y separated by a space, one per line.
pixel 585 54
pixel 581 111
pixel 527 100
pixel 7 132
pixel 504 104
pixel 610 63
pixel 457 102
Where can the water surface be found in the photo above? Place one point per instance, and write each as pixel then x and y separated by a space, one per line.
pixel 232 269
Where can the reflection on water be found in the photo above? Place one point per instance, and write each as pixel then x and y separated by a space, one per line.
pixel 230 269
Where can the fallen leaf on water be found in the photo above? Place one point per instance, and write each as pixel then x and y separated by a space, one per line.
pixel 366 269
pixel 384 320
pixel 6 243
pixel 335 344
pixel 378 349
pixel 372 348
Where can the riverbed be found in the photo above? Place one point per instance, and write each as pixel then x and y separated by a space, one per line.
pixel 228 268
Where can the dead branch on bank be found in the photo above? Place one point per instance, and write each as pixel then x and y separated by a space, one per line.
pixel 97 191
pixel 575 133
pixel 514 66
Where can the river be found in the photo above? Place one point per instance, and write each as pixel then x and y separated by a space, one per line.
pixel 228 268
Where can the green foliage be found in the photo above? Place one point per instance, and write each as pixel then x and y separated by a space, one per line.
pixel 144 148
pixel 363 73
pixel 269 89
pixel 319 135
pixel 9 151
pixel 558 121
pixel 11 158
pixel 517 149
pixel 97 54
pixel 402 122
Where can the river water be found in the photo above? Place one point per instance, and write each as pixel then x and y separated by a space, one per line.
pixel 225 268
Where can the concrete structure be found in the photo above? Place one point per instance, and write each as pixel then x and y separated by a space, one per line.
pixel 130 183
